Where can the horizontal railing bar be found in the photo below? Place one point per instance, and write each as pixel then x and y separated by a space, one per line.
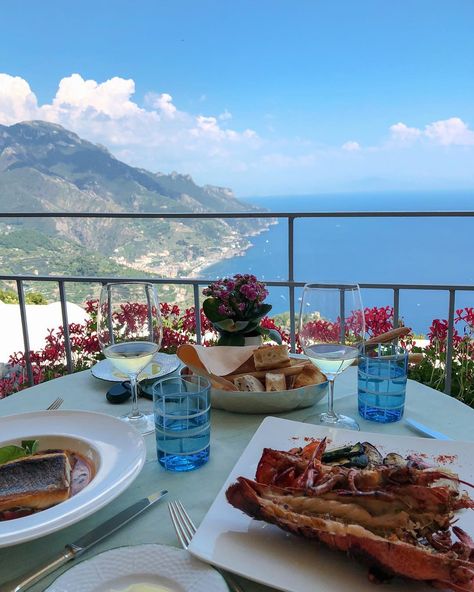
pixel 256 214
pixel 204 281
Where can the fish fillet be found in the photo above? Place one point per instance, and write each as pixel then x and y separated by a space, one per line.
pixel 37 482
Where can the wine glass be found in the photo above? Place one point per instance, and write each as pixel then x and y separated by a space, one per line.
pixel 129 330
pixel 331 327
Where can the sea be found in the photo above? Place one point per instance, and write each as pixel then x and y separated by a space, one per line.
pixel 368 250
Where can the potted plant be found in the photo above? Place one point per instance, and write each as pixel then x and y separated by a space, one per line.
pixel 235 306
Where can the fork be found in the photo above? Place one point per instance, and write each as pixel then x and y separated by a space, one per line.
pixel 56 404
pixel 185 530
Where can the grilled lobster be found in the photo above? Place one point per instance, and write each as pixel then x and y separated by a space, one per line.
pixel 397 518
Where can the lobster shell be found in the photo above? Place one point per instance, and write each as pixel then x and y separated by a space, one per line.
pixel 446 570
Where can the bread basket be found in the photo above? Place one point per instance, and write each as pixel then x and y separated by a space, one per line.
pixel 259 402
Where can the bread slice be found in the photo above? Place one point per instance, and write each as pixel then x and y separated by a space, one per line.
pixel 271 356
pixel 309 375
pixel 35 482
pixel 249 383
pixel 275 382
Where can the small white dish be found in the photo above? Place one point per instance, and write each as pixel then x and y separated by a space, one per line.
pixel 263 552
pixel 116 570
pixel 116 450
pixel 161 365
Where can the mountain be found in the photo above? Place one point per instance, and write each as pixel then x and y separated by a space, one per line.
pixel 46 168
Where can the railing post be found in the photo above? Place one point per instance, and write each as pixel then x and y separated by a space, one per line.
pixel 24 328
pixel 67 339
pixel 396 306
pixel 342 314
pixel 197 313
pixel 291 279
pixel 449 345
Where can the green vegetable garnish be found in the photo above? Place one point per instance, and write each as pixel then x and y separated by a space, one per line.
pixel 12 452
pixel 31 446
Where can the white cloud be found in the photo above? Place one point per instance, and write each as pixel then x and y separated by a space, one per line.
pixel 450 132
pixel 445 132
pixel 17 102
pixel 163 102
pixel 351 146
pixel 226 115
pixel 404 134
pixel 157 135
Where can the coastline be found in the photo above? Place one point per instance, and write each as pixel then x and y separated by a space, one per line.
pixel 229 252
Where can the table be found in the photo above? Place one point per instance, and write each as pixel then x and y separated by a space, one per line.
pixel 230 434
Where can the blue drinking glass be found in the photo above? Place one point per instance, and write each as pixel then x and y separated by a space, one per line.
pixel 182 410
pixel 382 381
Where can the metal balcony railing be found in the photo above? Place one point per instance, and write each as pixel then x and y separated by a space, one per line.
pixel 290 283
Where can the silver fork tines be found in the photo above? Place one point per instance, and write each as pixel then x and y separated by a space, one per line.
pixel 56 404
pixel 182 523
pixel 185 530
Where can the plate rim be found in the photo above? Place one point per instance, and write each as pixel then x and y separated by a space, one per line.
pixel 211 513
pixel 87 508
pixel 117 380
pixel 137 548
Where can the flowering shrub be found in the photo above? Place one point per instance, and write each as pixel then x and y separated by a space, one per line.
pixel 50 361
pixel 432 368
pixel 377 321
pixel 235 308
pixel 180 327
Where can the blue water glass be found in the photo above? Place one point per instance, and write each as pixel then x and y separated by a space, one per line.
pixel 382 381
pixel 182 410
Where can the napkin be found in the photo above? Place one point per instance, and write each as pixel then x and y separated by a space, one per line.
pixel 220 360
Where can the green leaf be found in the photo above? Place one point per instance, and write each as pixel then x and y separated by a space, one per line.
pixel 31 446
pixel 263 310
pixel 210 307
pixel 251 327
pixel 273 334
pixel 232 326
pixel 234 339
pixel 8 453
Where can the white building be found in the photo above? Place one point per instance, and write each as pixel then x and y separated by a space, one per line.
pixel 41 318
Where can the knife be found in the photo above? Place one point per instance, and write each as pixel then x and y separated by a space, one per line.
pixel 419 427
pixel 84 543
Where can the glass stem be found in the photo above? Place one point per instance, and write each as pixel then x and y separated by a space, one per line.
pixel 331 398
pixel 134 411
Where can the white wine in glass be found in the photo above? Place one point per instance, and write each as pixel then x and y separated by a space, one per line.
pixel 129 330
pixel 331 327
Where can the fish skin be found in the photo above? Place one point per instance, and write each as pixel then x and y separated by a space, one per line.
pixel 37 481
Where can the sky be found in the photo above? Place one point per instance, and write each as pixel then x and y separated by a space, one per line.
pixel 267 97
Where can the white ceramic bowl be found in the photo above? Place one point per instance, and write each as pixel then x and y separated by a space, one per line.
pixel 271 402
pixel 116 449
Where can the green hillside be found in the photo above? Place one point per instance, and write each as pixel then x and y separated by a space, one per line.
pixel 46 168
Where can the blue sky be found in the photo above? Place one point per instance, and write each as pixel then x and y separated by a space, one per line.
pixel 266 97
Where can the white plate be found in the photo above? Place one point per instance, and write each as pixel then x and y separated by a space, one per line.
pixel 161 365
pixel 117 569
pixel 116 449
pixel 262 552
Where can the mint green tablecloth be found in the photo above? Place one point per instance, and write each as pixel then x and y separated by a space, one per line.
pixel 230 434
